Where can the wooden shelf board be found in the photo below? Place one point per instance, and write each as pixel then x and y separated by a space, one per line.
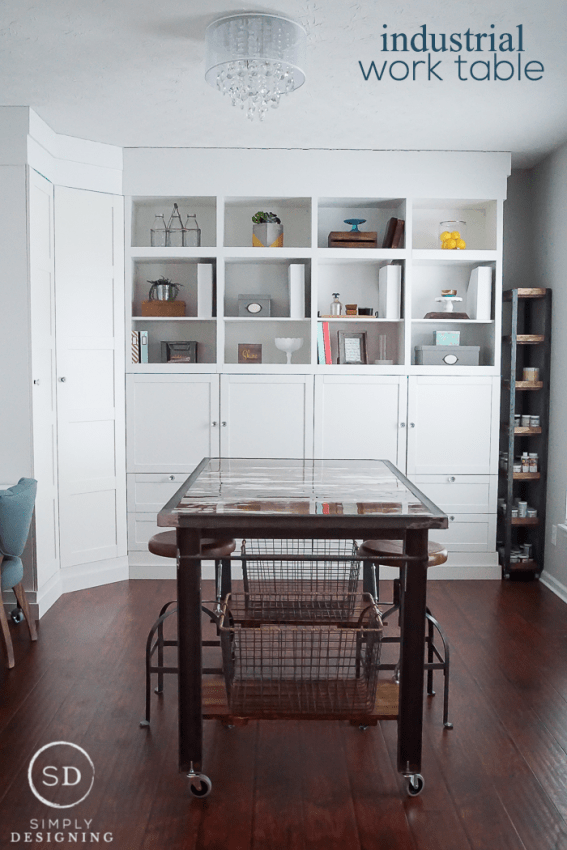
pixel 533 292
pixel 215 705
pixel 523 566
pixel 526 339
pixel 522 431
pixel 525 520
pixel 525 385
pixel 526 476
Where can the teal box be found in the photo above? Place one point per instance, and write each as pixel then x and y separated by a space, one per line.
pixel 447 337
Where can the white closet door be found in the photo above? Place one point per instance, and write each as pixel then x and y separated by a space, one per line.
pixel 89 266
pixel 42 318
pixel 361 418
pixel 266 416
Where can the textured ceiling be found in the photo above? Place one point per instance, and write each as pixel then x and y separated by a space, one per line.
pixel 130 73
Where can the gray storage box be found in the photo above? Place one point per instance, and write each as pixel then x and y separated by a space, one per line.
pixel 447 355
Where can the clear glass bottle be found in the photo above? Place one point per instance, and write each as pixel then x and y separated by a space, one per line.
pixel 336 306
pixel 175 229
pixel 158 233
pixel 192 232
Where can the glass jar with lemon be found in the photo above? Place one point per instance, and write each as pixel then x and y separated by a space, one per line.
pixel 452 235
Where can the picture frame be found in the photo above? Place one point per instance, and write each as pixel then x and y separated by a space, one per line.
pixel 352 348
pixel 249 352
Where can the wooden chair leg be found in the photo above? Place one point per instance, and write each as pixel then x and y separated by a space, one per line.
pixel 5 630
pixel 23 603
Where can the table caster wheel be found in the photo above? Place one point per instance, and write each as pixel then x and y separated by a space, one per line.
pixel 17 615
pixel 415 785
pixel 200 785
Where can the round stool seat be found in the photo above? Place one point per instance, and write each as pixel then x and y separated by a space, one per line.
pixel 380 550
pixel 165 544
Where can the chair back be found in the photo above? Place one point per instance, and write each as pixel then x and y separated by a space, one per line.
pixel 16 509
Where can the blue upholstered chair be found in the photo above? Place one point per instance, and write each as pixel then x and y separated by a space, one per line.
pixel 16 509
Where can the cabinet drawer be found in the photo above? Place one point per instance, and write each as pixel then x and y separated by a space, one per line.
pixel 468 533
pixel 460 494
pixel 149 493
pixel 140 528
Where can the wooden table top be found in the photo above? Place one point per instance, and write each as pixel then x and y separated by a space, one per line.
pixel 240 491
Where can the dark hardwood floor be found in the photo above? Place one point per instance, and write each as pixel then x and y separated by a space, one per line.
pixel 497 781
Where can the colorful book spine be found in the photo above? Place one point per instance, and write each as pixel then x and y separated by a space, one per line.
pixel 135 347
pixel 327 342
pixel 144 347
pixel 320 343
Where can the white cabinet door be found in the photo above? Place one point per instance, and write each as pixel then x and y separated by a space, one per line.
pixel 452 425
pixel 89 265
pixel 173 421
pixel 358 417
pixel 42 326
pixel 267 416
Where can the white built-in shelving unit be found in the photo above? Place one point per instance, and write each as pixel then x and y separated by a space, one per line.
pixel 239 268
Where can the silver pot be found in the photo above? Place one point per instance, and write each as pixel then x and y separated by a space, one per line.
pixel 164 291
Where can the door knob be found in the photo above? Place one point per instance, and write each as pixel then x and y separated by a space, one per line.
pixel 402 424
pixel 62 380
pixel 214 424
pixel 223 424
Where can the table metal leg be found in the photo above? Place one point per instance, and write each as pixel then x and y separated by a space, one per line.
pixel 190 662
pixel 412 626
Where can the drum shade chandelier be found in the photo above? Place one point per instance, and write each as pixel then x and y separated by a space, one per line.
pixel 255 59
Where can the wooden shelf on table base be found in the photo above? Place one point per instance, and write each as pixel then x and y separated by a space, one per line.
pixel 215 706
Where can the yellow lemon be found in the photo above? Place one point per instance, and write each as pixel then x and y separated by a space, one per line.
pixel 445 235
pixel 451 243
pixel 455 234
pixel 461 244
pixel 444 244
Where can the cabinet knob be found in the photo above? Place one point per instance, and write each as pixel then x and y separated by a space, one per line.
pixel 412 424
pixel 36 382
pixel 223 424
pixel 214 424
pixel 402 424
pixel 172 477
pixel 452 518
pixel 62 380
pixel 452 478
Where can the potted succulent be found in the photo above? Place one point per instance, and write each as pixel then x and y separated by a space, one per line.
pixel 163 289
pixel 267 230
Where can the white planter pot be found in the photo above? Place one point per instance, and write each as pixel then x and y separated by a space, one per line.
pixel 267 235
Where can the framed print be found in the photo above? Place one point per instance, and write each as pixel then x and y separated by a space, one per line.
pixel 249 352
pixel 352 347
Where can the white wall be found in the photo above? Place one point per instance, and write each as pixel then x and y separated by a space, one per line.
pixel 544 191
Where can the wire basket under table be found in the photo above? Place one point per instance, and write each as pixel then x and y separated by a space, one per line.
pixel 300 580
pixel 290 669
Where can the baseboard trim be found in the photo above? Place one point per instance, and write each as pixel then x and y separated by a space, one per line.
pixel 95 574
pixel 554 585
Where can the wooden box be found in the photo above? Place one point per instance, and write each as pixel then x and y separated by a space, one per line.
pixel 163 308
pixel 352 239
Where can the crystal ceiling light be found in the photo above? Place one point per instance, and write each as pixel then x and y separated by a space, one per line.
pixel 255 59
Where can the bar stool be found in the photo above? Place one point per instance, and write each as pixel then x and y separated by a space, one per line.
pixel 164 544
pixel 387 553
